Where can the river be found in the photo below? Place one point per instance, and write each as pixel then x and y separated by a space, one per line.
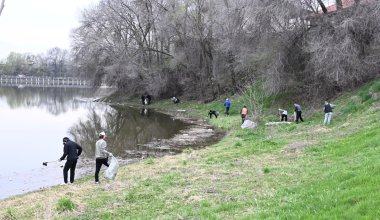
pixel 34 121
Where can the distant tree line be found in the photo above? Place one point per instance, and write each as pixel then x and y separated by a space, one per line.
pixel 56 62
pixel 202 49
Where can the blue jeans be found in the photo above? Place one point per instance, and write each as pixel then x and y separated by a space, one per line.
pixel 328 117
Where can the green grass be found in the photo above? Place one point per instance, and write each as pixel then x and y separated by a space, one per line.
pixel 65 204
pixel 296 171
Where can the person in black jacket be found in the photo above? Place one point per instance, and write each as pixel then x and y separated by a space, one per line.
pixel 328 112
pixel 298 111
pixel 71 150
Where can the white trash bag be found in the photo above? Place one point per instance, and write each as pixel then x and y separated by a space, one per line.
pixel 111 171
pixel 248 124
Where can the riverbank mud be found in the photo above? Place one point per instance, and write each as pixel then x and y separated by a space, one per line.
pixel 197 135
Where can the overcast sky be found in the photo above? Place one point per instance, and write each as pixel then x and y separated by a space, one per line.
pixel 37 25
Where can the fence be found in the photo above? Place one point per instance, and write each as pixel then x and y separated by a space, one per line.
pixel 40 81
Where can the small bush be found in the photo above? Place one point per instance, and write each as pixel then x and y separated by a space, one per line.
pixel 65 204
pixel 10 214
pixel 291 127
pixel 147 182
pixel 238 144
pixel 266 170
pixel 351 107
pixel 131 197
pixel 271 118
pixel 149 161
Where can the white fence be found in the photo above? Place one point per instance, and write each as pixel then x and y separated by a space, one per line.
pixel 39 81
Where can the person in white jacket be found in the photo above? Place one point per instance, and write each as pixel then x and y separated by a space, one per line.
pixel 101 154
pixel 284 114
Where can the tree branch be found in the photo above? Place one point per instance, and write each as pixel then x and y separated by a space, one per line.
pixel 2 6
pixel 324 9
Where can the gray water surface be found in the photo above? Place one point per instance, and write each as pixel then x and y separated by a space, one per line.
pixel 34 121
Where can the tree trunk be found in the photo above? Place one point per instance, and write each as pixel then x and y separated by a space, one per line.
pixel 339 5
pixel 2 6
pixel 324 9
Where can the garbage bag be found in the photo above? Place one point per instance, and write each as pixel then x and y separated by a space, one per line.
pixel 248 124
pixel 111 171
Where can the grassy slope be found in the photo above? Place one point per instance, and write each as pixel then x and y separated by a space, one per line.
pixel 296 171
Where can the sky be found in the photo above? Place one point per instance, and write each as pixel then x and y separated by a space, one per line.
pixel 34 26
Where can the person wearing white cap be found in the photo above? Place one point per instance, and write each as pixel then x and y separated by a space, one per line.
pixel 101 154
pixel 227 104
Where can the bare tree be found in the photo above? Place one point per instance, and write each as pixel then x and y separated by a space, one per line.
pixel 206 48
pixel 339 4
pixel 2 6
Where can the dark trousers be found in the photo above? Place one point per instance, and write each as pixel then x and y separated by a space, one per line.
pixel 69 165
pixel 243 118
pixel 227 111
pixel 298 116
pixel 284 117
pixel 99 163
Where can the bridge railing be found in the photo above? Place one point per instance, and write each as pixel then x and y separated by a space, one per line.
pixel 41 81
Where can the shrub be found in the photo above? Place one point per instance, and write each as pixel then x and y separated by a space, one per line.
pixel 65 204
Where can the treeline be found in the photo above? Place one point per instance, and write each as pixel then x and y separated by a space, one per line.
pixel 202 49
pixel 56 62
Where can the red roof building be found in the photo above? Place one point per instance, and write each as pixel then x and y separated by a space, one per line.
pixel 345 4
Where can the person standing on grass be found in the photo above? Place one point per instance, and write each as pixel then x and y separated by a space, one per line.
pixel 101 155
pixel 243 113
pixel 227 104
pixel 328 112
pixel 298 111
pixel 72 151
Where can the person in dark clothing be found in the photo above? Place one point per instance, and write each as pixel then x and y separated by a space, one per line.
pixel 212 112
pixel 71 150
pixel 175 100
pixel 143 99
pixel 328 112
pixel 149 99
pixel 298 111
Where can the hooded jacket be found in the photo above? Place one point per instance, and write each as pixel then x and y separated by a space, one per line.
pixel 72 150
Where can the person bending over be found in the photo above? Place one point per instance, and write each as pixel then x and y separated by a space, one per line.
pixel 71 150
pixel 212 112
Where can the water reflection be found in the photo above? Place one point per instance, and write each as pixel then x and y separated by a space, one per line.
pixel 53 100
pixel 126 128
pixel 34 120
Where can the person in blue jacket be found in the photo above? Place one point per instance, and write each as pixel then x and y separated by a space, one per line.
pixel 227 104
pixel 71 150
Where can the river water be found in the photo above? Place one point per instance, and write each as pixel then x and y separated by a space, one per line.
pixel 34 121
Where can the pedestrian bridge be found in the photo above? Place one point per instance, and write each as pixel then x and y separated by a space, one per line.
pixel 43 81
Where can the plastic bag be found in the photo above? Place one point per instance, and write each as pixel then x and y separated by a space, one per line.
pixel 111 171
pixel 248 124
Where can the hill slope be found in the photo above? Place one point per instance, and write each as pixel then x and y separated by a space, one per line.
pixel 294 171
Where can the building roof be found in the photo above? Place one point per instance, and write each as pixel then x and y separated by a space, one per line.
pixel 345 3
